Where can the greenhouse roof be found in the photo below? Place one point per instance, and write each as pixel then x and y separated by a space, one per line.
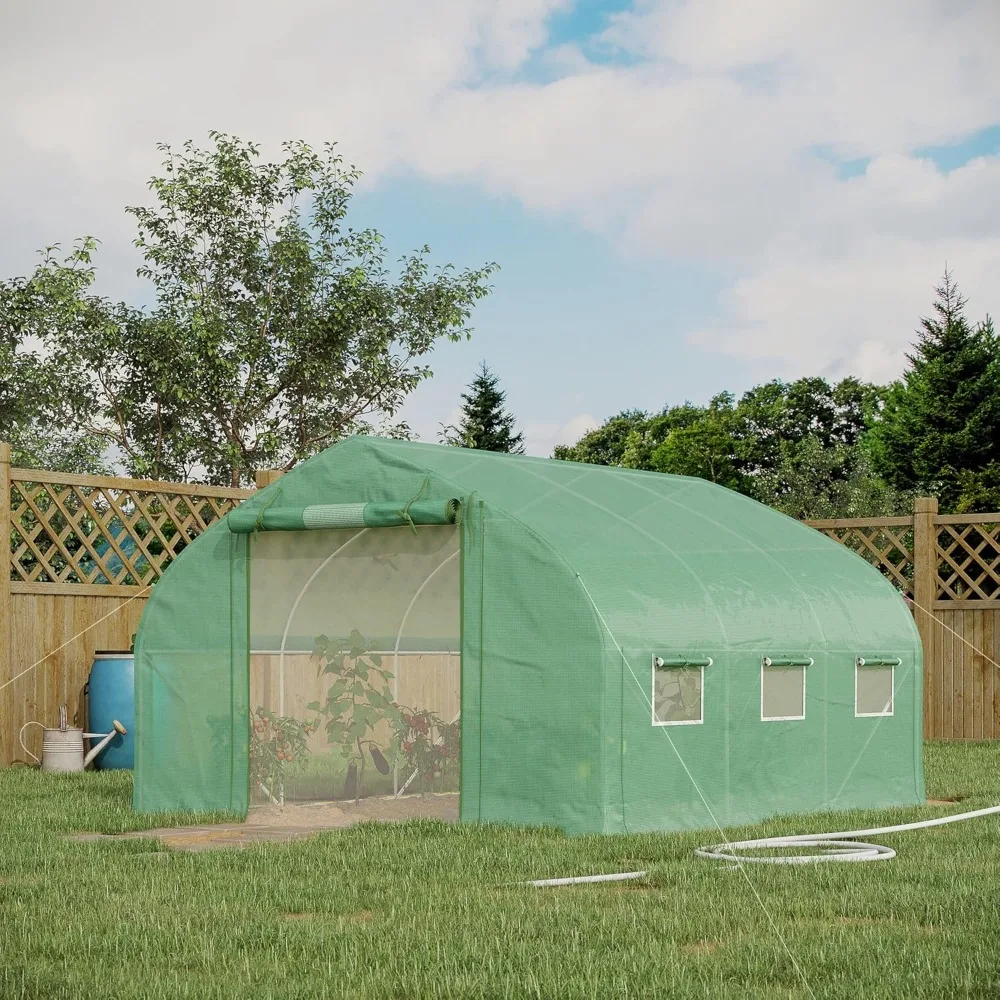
pixel 647 547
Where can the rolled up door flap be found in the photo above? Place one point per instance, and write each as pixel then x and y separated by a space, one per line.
pixel 379 514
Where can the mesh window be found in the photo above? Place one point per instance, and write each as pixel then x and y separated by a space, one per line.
pixel 873 690
pixel 354 663
pixel 783 693
pixel 677 695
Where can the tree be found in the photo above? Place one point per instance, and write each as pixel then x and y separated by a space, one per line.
pixel 795 446
pixel 607 444
pixel 35 388
pixel 485 424
pixel 643 442
pixel 813 480
pixel 701 443
pixel 779 415
pixel 276 330
pixel 939 431
pixel 799 445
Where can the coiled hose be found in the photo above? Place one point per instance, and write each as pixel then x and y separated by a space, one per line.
pixel 841 846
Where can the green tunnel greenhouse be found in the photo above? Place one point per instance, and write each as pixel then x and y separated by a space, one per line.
pixel 606 650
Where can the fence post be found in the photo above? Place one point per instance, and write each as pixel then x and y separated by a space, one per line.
pixel 925 565
pixel 264 477
pixel 6 616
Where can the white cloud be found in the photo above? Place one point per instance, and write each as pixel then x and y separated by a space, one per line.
pixel 701 146
pixel 541 439
pixel 707 150
pixel 844 292
pixel 91 90
pixel 852 314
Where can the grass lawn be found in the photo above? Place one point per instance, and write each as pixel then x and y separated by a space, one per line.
pixel 422 910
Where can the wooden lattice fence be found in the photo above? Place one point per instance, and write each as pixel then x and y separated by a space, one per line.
pixel 85 530
pixel 887 543
pixel 969 559
pixel 948 566
pixel 84 552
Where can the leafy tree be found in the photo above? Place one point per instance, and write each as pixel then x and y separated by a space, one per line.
pixel 276 330
pixel 701 443
pixel 642 442
pixel 607 444
pixel 979 490
pixel 485 424
pixel 814 481
pixel 795 446
pixel 778 415
pixel 939 431
pixel 34 387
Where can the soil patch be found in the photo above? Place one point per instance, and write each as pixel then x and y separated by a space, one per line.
pixel 333 815
pixel 296 821
pixel 700 948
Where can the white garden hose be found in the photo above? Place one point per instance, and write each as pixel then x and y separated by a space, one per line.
pixel 842 846
pixel 583 879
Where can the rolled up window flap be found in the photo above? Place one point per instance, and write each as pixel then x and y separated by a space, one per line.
pixel 314 517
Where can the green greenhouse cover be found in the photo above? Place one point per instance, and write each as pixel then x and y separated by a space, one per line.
pixel 638 651
pixel 317 517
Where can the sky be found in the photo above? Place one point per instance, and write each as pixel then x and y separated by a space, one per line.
pixel 683 196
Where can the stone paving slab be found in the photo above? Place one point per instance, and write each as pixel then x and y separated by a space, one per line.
pixel 200 838
pixel 294 821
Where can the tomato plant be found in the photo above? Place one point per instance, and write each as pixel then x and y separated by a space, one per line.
pixel 276 743
pixel 427 744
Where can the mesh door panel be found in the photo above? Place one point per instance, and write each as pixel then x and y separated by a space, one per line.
pixel 354 663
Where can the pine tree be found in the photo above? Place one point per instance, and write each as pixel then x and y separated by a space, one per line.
pixel 485 424
pixel 940 429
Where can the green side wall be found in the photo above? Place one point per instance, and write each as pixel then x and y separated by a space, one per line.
pixel 532 683
pixel 192 682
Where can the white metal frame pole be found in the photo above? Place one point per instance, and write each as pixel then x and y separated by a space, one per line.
pixel 288 624
pixel 396 790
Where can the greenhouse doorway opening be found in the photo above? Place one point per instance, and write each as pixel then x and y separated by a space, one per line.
pixel 355 668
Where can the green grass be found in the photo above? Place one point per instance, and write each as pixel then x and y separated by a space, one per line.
pixel 424 910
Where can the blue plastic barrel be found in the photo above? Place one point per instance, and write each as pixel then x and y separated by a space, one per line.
pixel 110 696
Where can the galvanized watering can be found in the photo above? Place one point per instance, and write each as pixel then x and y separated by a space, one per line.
pixel 62 748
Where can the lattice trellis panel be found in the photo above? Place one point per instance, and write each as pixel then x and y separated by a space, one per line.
pixel 888 548
pixel 968 562
pixel 103 534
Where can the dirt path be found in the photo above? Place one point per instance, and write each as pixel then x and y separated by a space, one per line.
pixel 296 821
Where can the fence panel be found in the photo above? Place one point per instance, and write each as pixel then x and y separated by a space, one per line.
pixel 948 566
pixel 83 553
